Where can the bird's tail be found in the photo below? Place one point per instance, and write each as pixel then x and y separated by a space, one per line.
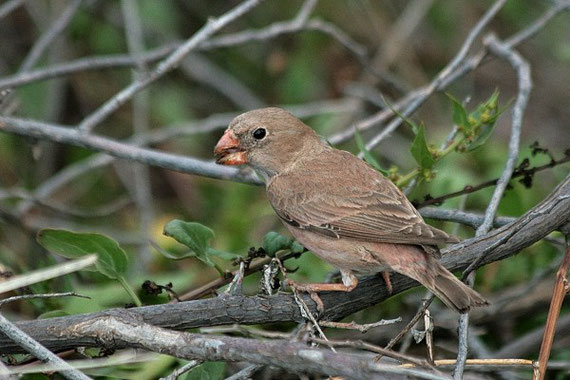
pixel 454 293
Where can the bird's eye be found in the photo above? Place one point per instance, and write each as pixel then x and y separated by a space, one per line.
pixel 259 133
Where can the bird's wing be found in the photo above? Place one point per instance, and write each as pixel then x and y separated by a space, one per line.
pixel 338 195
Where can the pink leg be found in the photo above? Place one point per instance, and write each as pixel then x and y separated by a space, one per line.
pixel 349 282
pixel 386 277
pixel 316 288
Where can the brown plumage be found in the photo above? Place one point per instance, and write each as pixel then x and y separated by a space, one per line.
pixel 339 207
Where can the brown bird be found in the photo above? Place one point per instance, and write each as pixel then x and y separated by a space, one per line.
pixel 339 207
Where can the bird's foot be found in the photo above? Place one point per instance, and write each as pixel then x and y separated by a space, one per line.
pixel 311 290
pixel 386 277
pixel 317 288
pixel 314 289
pixel 319 302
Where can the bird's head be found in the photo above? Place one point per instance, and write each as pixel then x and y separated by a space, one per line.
pixel 268 139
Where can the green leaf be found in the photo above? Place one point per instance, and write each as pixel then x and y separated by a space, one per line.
pixel 297 247
pixel 485 132
pixel 111 259
pixel 368 157
pixel 273 242
pixel 207 371
pixel 420 150
pixel 486 114
pixel 493 101
pixel 460 117
pixel 193 235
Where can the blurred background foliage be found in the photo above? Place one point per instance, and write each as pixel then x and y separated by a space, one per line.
pixel 292 69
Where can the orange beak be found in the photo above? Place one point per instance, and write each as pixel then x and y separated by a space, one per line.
pixel 228 150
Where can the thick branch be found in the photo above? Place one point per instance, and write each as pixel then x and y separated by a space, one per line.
pixel 549 215
pixel 118 329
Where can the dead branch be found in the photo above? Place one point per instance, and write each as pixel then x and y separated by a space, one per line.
pixel 549 215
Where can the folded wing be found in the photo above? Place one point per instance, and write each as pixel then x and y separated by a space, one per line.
pixel 349 199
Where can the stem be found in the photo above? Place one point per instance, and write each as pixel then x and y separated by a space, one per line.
pixel 408 177
pixel 130 290
pixel 451 146
pixel 221 272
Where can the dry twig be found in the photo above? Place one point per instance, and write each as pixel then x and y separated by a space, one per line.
pixel 561 288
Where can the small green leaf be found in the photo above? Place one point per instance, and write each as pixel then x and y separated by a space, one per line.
pixel 486 114
pixel 193 235
pixel 420 150
pixel 485 132
pixel 368 157
pixel 273 242
pixel 493 101
pixel 111 259
pixel 297 247
pixel 207 371
pixel 460 117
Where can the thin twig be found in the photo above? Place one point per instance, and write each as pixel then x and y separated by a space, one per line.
pixel 525 86
pixel 50 35
pixel 246 373
pixel 123 357
pixel 463 333
pixel 98 212
pixel 357 326
pixel 305 311
pixel 471 189
pixel 447 70
pixel 561 288
pixel 409 326
pixel 203 70
pixel 527 344
pixel 524 83
pixel 149 156
pixel 468 66
pixel 211 123
pixel 54 271
pixel 40 352
pixel 168 64
pixel 45 295
pixel 508 363
pixel 373 348
pixel 470 219
pixel 85 64
pixel 182 370
pixel 72 171
pixel 557 7
pixel 209 287
pixel 9 6
pixel 137 178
